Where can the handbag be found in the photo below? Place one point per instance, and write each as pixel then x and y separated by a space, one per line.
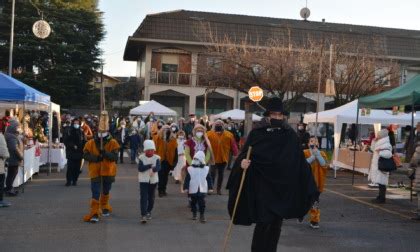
pixel 397 160
pixel 386 164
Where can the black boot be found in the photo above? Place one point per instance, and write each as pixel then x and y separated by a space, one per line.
pixel 381 197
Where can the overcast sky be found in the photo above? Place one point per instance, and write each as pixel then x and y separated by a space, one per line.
pixel 122 17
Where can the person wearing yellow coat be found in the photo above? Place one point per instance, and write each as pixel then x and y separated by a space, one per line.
pixel 167 150
pixel 102 170
pixel 318 161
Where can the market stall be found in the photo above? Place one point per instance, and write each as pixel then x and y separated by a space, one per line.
pixel 236 115
pixel 55 155
pixel 347 114
pixel 20 97
pixel 153 107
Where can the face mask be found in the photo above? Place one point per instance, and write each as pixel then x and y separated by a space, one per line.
pixel 199 134
pixel 159 126
pixel 149 153
pixel 76 126
pixel 103 135
pixel 300 128
pixel 192 120
pixel 276 122
pixel 19 130
pixel 173 129
pixel 312 146
pixel 229 128
pixel 181 138
pixel 218 128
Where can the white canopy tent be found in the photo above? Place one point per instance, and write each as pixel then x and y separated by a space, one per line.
pixel 236 115
pixel 347 114
pixel 152 106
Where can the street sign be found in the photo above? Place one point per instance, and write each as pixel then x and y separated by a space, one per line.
pixel 255 94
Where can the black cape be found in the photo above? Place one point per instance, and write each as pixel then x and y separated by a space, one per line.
pixel 279 181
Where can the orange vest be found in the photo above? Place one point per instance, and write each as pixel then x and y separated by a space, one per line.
pixel 106 167
pixel 221 145
pixel 166 150
pixel 319 172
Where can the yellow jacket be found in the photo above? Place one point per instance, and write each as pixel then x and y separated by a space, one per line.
pixel 221 143
pixel 319 172
pixel 106 167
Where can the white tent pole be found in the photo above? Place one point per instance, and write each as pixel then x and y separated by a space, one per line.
pixel 49 138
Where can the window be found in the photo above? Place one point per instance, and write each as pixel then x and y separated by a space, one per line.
pixel 382 76
pixel 341 72
pixel 171 68
pixel 214 62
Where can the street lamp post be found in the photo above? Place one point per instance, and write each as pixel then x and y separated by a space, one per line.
pixel 208 90
pixel 12 29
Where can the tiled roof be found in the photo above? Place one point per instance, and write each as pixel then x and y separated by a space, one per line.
pixel 183 25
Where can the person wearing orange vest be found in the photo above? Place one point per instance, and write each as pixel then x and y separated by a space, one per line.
pixel 318 161
pixel 166 148
pixel 222 143
pixel 102 170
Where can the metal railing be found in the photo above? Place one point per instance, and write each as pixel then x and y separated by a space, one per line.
pixel 171 78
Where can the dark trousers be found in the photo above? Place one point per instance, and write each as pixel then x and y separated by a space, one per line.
pixel 12 171
pixel 163 176
pixel 73 170
pixel 266 236
pixel 382 192
pixel 220 168
pixel 147 198
pixel 133 152
pixel 122 153
pixel 2 178
pixel 198 199
pixel 96 188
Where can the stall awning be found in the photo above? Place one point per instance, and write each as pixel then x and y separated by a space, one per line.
pixel 155 107
pixel 407 94
pixel 14 90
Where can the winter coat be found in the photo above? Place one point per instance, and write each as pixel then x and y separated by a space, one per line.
pixel 279 181
pixel 135 141
pixel 319 170
pixel 222 144
pixel 415 161
pixel 145 165
pixel 381 148
pixel 4 153
pixel 74 142
pixel 15 146
pixel 167 149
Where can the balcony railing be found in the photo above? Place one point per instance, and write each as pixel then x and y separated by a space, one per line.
pixel 184 79
pixel 171 78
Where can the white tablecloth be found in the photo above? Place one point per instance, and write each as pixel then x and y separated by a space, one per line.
pixel 57 156
pixel 31 166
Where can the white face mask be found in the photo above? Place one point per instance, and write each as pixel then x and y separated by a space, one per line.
pixel 199 134
pixel 229 128
pixel 102 135
pixel 173 129
pixel 76 126
pixel 123 126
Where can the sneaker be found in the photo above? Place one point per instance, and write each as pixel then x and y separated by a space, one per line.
pixel 105 213
pixel 373 185
pixel 4 204
pixel 67 184
pixel 314 225
pixel 194 217
pixel 143 220
pixel 161 194
pixel 148 216
pixel 202 218
pixel 94 219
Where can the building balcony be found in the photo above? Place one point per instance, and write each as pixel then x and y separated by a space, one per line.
pixel 171 78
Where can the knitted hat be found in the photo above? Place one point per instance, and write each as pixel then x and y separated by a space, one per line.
pixel 149 145
pixel 200 156
pixel 274 104
pixel 382 133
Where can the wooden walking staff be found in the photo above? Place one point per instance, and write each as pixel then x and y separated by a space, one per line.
pixel 229 231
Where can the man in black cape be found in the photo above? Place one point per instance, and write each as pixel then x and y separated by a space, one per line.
pixel 279 183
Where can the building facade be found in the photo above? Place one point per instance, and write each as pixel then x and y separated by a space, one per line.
pixel 170 53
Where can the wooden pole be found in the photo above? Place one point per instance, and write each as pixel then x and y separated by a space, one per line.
pixel 229 231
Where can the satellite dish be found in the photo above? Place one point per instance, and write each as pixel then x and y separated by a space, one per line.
pixel 305 13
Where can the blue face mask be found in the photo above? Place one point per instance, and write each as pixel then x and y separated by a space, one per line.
pixel 76 126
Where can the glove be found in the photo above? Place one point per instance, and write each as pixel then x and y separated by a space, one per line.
pixel 109 156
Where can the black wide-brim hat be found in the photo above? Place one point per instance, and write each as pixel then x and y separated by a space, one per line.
pixel 274 104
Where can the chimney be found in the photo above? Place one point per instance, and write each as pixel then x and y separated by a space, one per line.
pixel 323 20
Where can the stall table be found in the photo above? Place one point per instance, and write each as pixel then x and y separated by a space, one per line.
pixel 29 168
pixel 346 157
pixel 57 156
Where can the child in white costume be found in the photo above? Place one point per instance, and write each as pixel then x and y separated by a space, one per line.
pixel 197 184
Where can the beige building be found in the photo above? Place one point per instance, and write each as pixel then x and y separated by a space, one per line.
pixel 170 54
